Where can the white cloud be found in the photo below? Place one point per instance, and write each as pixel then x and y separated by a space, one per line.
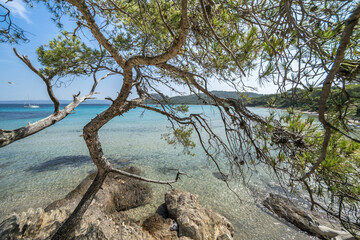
pixel 17 8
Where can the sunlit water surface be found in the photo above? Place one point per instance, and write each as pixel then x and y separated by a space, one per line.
pixel 44 167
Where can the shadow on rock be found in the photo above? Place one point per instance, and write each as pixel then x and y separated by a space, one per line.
pixel 159 227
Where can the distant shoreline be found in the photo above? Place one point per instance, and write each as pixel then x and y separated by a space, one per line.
pixel 352 121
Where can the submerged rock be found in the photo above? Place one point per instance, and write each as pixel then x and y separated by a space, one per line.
pixel 195 221
pixel 305 219
pixel 221 176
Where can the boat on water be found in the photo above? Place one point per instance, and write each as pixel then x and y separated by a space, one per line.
pixel 31 106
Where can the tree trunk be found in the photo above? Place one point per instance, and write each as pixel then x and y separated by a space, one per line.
pixel 67 229
pixel 91 137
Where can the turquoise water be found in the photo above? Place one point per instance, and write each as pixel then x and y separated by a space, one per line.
pixel 44 167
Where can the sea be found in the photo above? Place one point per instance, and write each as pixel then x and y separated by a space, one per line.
pixel 44 167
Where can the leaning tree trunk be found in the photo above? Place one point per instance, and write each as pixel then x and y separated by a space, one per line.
pixel 90 133
pixel 120 105
pixel 67 229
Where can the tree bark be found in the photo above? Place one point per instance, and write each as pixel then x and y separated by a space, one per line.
pixel 10 136
pixel 120 105
pixel 67 229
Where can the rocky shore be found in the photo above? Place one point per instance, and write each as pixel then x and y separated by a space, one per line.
pixel 180 217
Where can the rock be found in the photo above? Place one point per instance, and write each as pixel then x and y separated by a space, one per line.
pixel 94 232
pixel 104 221
pixel 304 219
pixel 9 227
pixel 112 195
pixel 101 221
pixel 159 227
pixel 32 224
pixel 195 221
pixel 220 176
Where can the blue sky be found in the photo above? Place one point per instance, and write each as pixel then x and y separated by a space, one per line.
pixel 40 29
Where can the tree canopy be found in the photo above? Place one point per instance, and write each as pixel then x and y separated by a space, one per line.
pixel 159 44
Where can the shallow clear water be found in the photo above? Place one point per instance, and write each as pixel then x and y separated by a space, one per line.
pixel 44 167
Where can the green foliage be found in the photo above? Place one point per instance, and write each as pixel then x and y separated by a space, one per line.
pixel 181 136
pixel 336 178
pixel 182 108
pixel 344 103
pixel 67 55
pixel 141 28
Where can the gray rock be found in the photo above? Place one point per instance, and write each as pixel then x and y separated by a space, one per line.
pixel 196 222
pixel 304 219
pixel 220 176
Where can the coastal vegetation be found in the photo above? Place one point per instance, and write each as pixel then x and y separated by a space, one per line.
pixel 308 49
pixel 304 100
pixel 300 99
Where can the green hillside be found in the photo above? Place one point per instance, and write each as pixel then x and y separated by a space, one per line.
pixel 301 99
pixel 195 100
pixel 308 101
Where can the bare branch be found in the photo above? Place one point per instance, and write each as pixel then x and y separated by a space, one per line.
pixel 178 174
pixel 10 136
pixel 47 80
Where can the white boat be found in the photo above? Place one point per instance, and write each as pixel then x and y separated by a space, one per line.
pixel 31 106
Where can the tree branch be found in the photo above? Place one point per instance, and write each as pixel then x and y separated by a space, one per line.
pixel 217 37
pixel 175 46
pixel 164 21
pixel 94 28
pixel 326 89
pixel 10 136
pixel 178 174
pixel 47 80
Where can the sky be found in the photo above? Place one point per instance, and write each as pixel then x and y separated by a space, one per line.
pixel 26 85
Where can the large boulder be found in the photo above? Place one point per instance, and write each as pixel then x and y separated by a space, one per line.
pixel 101 221
pixel 118 193
pixel 304 219
pixel 194 221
